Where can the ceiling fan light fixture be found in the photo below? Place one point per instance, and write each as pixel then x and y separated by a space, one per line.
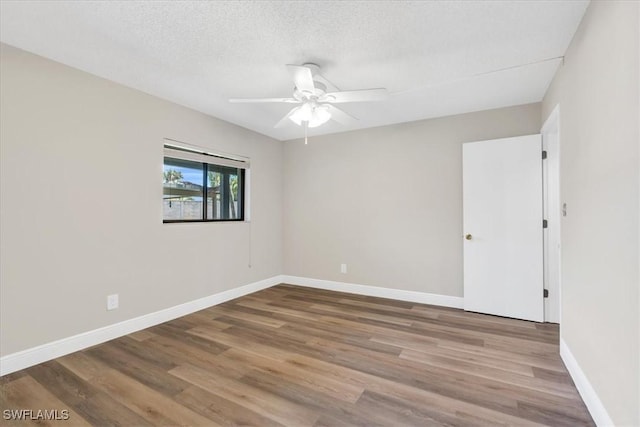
pixel 319 116
pixel 301 114
pixel 314 115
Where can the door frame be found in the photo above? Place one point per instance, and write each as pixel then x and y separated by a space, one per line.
pixel 552 248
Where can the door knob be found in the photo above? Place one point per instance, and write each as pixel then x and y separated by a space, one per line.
pixel 468 237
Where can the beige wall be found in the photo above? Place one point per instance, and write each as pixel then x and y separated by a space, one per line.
pixel 597 89
pixel 81 210
pixel 387 201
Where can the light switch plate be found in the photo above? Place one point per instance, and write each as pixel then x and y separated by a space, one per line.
pixel 112 302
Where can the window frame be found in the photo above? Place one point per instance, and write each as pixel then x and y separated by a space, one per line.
pixel 210 163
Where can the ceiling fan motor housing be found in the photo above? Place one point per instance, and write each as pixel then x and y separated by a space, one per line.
pixel 303 96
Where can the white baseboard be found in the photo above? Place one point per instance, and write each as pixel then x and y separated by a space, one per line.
pixel 42 353
pixel 589 396
pixel 376 291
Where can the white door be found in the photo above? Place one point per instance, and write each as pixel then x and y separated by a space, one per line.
pixel 502 196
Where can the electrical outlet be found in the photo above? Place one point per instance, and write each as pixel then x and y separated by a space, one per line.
pixel 343 268
pixel 112 302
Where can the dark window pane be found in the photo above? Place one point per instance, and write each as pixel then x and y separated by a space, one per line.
pixel 182 190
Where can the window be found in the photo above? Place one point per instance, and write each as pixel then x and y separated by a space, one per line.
pixel 199 186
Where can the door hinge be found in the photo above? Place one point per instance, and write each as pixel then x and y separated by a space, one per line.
pixel 544 154
pixel 545 223
pixel 545 293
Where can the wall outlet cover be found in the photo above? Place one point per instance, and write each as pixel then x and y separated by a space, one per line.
pixel 112 302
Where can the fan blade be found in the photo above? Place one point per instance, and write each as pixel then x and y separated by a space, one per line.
pixel 285 119
pixel 302 77
pixel 340 116
pixel 363 95
pixel 262 100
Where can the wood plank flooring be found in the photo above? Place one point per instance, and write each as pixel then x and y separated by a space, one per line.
pixel 294 356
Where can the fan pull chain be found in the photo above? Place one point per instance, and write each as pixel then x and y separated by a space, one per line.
pixel 306 126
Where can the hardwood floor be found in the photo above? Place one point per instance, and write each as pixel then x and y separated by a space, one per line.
pixel 304 357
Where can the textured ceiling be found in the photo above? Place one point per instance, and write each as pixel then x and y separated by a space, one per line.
pixel 436 58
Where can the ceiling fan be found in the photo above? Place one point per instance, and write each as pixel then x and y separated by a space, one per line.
pixel 316 96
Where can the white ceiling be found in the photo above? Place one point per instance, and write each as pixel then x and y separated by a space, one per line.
pixel 437 58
